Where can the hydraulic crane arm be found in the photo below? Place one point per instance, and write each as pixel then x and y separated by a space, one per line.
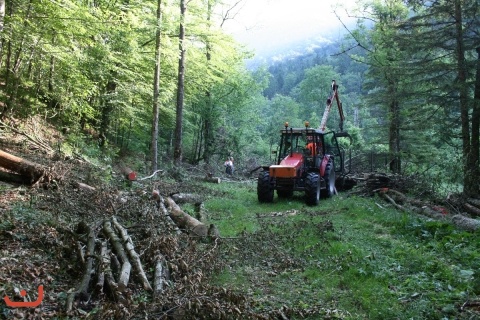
pixel 333 96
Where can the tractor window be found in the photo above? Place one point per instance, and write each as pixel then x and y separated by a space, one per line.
pixel 291 143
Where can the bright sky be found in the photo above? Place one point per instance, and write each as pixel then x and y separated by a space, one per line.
pixel 269 23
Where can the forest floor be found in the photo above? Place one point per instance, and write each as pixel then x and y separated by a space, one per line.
pixel 349 258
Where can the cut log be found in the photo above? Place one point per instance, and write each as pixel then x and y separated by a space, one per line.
pixel 84 186
pixel 184 220
pixel 200 212
pixel 127 242
pixel 466 223
pixel 472 209
pixel 31 171
pixel 82 290
pixel 118 248
pixel 161 274
pixel 212 179
pixel 180 198
pixel 128 173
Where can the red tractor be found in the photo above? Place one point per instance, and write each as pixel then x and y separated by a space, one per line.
pixel 307 160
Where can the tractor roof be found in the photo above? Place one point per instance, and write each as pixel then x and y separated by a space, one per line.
pixel 302 131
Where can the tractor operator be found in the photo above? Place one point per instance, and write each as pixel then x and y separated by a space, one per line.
pixel 312 146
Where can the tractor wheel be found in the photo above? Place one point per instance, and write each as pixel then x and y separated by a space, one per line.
pixel 264 188
pixel 329 177
pixel 312 189
pixel 285 193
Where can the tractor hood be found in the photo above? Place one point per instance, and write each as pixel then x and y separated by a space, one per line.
pixel 287 167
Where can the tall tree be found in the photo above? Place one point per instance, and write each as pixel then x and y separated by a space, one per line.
pixel 156 89
pixel 177 153
pixel 444 44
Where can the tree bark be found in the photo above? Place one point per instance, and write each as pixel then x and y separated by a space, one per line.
pixel 161 274
pixel 184 220
pixel 469 181
pixel 32 171
pixel 82 290
pixel 156 89
pixel 177 152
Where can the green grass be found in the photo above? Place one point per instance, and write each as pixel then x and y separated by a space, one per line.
pixel 347 255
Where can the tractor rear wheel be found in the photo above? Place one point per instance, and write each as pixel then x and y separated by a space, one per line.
pixel 312 189
pixel 329 177
pixel 264 187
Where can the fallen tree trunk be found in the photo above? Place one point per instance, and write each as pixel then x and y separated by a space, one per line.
pixel 13 178
pixel 31 171
pixel 184 220
pixel 472 209
pixel 466 223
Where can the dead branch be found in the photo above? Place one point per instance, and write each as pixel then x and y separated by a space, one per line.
pixel 150 176
pixel 84 186
pixel 39 143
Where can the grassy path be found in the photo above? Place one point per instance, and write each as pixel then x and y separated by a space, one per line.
pixel 349 257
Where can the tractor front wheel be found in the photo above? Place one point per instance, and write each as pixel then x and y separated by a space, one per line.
pixel 312 189
pixel 264 187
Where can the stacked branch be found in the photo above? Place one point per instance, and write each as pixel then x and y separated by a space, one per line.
pixel 108 266
pixel 111 263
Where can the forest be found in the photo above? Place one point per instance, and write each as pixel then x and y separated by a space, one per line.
pixel 163 81
pixel 161 87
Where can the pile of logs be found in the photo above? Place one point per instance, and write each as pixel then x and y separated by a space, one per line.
pixel 404 203
pixel 107 262
pixel 107 253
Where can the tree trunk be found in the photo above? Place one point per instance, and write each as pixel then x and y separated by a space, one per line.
pixel 184 220
pixel 474 160
pixel 156 89
pixel 468 178
pixel 177 153
pixel 394 131
pixel 32 171
pixel 107 110
pixel 2 22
